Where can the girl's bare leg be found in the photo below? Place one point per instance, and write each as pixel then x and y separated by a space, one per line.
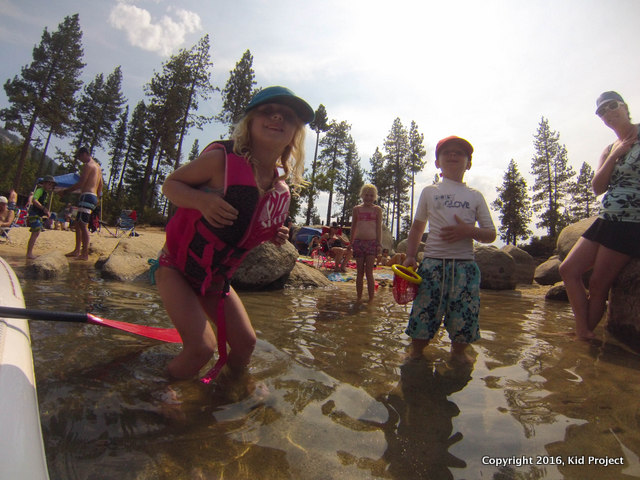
pixel 606 269
pixel 359 277
pixel 184 308
pixel 369 262
pixel 580 259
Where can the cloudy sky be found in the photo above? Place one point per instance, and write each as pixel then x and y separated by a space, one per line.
pixel 485 70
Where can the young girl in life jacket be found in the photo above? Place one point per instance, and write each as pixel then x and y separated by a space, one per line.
pixel 231 198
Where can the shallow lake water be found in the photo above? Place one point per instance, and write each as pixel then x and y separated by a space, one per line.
pixel 334 398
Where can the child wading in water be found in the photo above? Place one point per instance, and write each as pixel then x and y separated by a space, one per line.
pixel 231 199
pixel 450 285
pixel 366 237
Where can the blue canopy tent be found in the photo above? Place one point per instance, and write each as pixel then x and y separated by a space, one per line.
pixel 304 236
pixel 65 181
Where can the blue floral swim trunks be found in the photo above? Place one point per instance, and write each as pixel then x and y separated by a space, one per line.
pixel 450 289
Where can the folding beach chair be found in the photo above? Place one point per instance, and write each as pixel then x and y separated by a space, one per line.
pixel 125 225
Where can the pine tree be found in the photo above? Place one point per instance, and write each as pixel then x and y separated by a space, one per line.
pixel 334 146
pixel 514 206
pixel 118 147
pixel 320 124
pixel 197 87
pixel 98 110
pixel 584 202
pixel 552 175
pixel 51 80
pixel 137 144
pixel 349 181
pixel 195 151
pixel 417 153
pixel 381 178
pixel 396 146
pixel 238 91
pixel 164 112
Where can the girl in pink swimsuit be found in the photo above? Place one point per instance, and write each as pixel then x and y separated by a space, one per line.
pixel 228 202
pixel 366 237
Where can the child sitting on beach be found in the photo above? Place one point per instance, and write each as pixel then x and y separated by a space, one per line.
pixel 450 285
pixel 366 237
pixel 230 199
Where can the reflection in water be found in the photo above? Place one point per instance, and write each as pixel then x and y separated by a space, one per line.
pixel 421 429
pixel 334 397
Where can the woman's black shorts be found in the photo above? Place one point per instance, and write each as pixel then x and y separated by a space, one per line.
pixel 623 237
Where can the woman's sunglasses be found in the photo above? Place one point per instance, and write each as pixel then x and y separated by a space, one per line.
pixel 607 106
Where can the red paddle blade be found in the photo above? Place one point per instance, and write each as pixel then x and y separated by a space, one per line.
pixel 169 335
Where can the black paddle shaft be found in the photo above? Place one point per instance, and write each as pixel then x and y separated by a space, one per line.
pixel 13 312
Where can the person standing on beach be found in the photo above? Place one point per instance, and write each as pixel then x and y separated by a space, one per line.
pixel 90 184
pixel 366 238
pixel 612 240
pixel 37 211
pixel 450 287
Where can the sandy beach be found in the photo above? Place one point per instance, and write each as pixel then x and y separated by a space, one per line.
pixel 102 243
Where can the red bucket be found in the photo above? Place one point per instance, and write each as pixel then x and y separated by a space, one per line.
pixel 405 284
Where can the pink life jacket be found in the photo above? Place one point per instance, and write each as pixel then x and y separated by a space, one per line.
pixel 205 253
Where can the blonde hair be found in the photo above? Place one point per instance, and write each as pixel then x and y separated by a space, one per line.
pixel 291 160
pixel 368 187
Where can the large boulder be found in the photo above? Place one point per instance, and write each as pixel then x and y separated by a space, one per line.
pixel 129 261
pixel 496 267
pixel 547 273
pixel 570 235
pixel 525 264
pixel 624 304
pixel 266 267
pixel 304 276
pixel 49 265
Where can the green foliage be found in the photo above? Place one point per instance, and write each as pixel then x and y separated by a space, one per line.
pixel 552 175
pixel 540 247
pixel 416 160
pixel 238 91
pixel 396 157
pixel 319 125
pixel 45 89
pixel 584 202
pixel 514 206
pixel 98 110
pixel 118 147
pixel 335 147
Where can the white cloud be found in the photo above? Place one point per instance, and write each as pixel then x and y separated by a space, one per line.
pixel 162 36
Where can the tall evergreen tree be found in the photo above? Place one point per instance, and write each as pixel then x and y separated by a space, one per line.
pixel 552 175
pixel 165 110
pixel 319 125
pixel 514 206
pixel 396 147
pixel 195 151
pixel 131 178
pixel 417 153
pixel 238 91
pixel 584 202
pixel 50 80
pixel 197 87
pixel 334 147
pixel 349 181
pixel 118 147
pixel 98 110
pixel 381 178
